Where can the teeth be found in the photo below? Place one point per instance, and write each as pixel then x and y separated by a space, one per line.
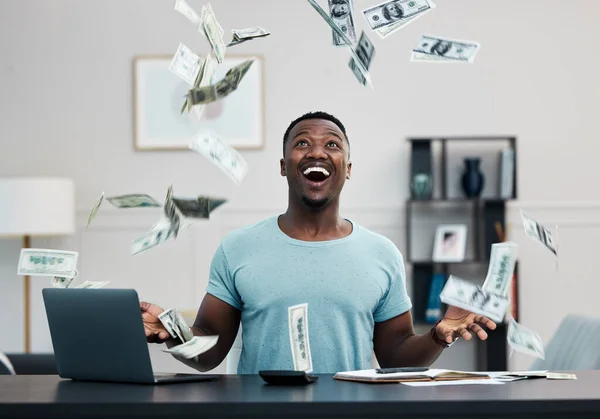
pixel 316 169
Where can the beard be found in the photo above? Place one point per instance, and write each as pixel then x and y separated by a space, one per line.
pixel 315 204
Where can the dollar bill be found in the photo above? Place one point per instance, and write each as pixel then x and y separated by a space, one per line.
pixel 538 232
pixel 47 262
pixel 501 268
pixel 342 15
pixel 524 340
pixel 211 93
pixel 182 7
pixel 63 281
pixel 206 77
pixel 213 31
pixel 200 207
pixel 365 51
pixel 243 35
pixel 299 339
pixel 92 284
pixel 171 213
pixel 195 346
pixel 471 297
pixel 560 376
pixel 133 201
pixel 151 239
pixel 437 48
pixel 386 31
pixel 221 154
pixel 168 318
pixel 94 210
pixel 394 12
pixel 186 64
pixel 347 43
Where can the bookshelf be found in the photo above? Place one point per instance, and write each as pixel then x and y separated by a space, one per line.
pixel 444 201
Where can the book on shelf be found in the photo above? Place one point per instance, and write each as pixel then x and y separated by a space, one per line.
pixel 433 312
pixel 507 173
pixel 372 376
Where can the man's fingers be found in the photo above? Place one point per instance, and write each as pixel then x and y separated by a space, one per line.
pixel 464 333
pixel 144 306
pixel 486 322
pixel 481 334
pixel 162 335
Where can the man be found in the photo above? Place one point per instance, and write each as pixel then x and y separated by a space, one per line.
pixel 352 279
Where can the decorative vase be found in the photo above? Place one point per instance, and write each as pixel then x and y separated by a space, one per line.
pixel 472 178
pixel 421 185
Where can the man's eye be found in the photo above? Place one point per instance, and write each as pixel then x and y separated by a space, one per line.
pixel 302 143
pixel 332 144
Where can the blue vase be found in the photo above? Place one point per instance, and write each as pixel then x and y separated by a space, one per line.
pixel 472 178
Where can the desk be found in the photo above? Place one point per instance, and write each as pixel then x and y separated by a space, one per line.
pixel 248 397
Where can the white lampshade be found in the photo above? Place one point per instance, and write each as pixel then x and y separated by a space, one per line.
pixel 37 206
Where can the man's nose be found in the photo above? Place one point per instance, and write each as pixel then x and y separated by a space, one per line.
pixel 317 152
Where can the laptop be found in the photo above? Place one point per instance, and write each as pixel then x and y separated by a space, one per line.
pixel 98 335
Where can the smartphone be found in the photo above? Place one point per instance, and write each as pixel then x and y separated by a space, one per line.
pixel 402 369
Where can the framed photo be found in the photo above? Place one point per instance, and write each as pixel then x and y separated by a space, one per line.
pixel 450 243
pixel 159 95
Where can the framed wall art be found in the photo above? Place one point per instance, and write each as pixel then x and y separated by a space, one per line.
pixel 159 94
pixel 450 243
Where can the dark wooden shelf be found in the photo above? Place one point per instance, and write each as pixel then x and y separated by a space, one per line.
pixel 466 138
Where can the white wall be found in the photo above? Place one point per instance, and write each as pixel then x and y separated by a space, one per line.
pixel 66 109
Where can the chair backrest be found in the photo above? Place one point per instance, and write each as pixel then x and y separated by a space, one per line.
pixel 574 346
pixel 233 357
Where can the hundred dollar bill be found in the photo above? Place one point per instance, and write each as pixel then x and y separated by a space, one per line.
pixel 182 7
pixel 231 81
pixel 243 35
pixel 501 268
pixel 47 262
pixel 436 48
pixel 538 232
pixel 186 64
pixel 299 339
pixel 169 321
pixel 151 239
pixel 524 340
pixel 94 210
pixel 213 31
pixel 469 296
pixel 560 376
pixel 365 52
pixel 386 31
pixel 206 77
pixel 92 284
pixel 342 14
pixel 172 213
pixel 63 281
pixel 133 201
pixel 394 12
pixel 347 43
pixel 221 154
pixel 201 207
pixel 195 346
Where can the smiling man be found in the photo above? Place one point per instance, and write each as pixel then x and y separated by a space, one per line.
pixel 352 279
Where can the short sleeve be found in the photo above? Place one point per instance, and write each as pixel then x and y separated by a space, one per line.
pixel 395 300
pixel 220 282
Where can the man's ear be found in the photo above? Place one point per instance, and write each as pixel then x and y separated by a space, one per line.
pixel 282 167
pixel 349 170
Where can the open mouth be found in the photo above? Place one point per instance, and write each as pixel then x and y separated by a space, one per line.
pixel 316 174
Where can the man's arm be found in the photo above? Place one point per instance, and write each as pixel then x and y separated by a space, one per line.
pixel 396 344
pixel 215 317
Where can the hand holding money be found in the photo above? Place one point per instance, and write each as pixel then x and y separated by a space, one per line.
pixel 458 322
pixel 153 327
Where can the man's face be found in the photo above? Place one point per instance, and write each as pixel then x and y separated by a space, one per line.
pixel 316 162
pixel 394 11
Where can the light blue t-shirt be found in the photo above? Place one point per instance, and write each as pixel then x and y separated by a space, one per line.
pixel 348 283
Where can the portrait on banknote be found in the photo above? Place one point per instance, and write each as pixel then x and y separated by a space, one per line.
pixel 159 95
pixel 340 8
pixel 392 11
pixel 450 243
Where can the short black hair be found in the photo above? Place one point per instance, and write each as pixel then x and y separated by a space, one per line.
pixel 314 115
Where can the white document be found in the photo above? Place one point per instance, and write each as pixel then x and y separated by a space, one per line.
pixel 450 383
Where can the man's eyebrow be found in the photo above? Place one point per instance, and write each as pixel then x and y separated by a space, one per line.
pixel 329 131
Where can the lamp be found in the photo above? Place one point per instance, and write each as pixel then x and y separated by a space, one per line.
pixel 35 206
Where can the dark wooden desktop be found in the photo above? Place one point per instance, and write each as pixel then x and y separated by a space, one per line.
pixel 248 397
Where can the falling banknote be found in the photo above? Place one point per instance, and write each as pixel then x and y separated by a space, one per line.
pixel 299 339
pixel 211 93
pixel 63 281
pixel 95 209
pixel 213 31
pixel 206 77
pixel 538 232
pixel 201 207
pixel 92 284
pixel 151 239
pixel 243 35
pixel 524 340
pixel 365 52
pixel 133 201
pixel 173 321
pixel 194 347
pixel 182 7
pixel 468 296
pixel 342 14
pixel 438 49
pixel 221 154
pixel 501 268
pixel 48 262
pixel 186 64
pixel 171 213
pixel 388 17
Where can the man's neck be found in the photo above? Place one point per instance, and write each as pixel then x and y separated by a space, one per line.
pixel 303 223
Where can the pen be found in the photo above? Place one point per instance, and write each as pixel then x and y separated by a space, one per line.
pixel 401 369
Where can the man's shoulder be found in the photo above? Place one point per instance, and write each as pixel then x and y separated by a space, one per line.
pixel 376 241
pixel 249 233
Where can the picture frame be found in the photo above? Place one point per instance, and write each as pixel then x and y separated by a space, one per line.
pixel 158 95
pixel 450 243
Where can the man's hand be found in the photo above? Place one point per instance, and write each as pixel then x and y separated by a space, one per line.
pixel 458 322
pixel 155 331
